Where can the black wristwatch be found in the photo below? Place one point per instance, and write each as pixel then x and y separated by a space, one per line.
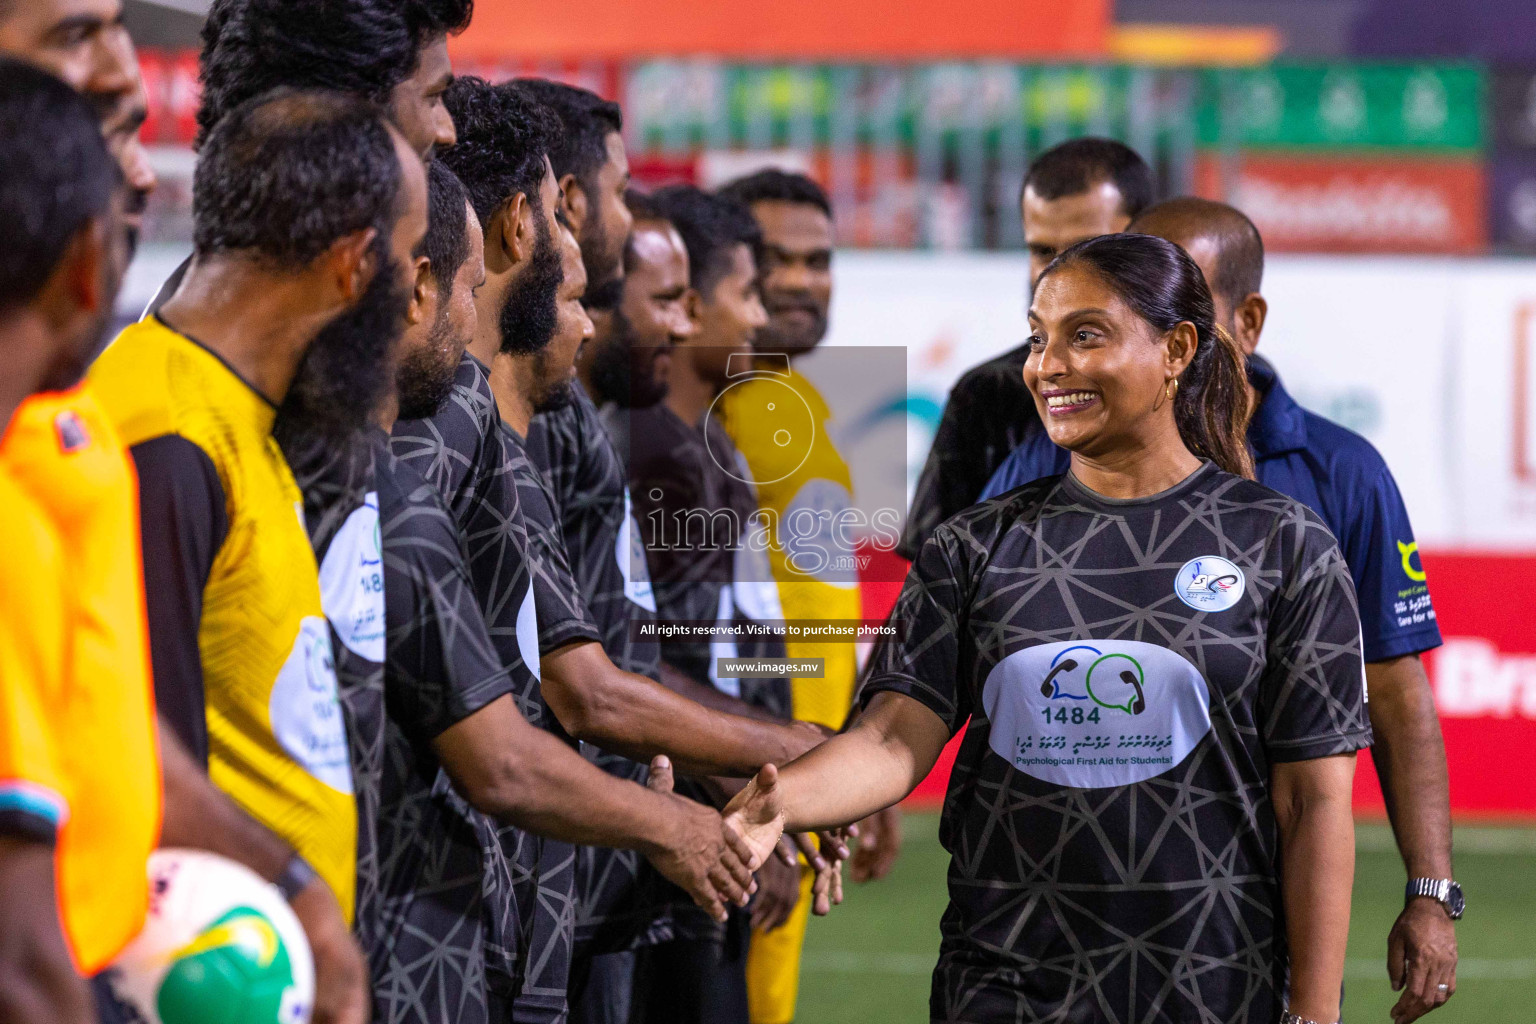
pixel 1443 891
pixel 296 876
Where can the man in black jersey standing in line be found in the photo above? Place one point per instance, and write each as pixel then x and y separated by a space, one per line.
pixel 698 508
pixel 1074 191
pixel 621 905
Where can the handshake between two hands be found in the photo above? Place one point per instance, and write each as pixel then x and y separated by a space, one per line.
pixel 713 855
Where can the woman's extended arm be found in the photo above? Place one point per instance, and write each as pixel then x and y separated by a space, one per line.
pixel 879 760
pixel 1317 872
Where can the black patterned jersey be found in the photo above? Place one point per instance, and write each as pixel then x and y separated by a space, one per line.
pixel 590 487
pixel 1131 671
pixel 460 451
pixel 701 524
pixel 427 960
pixel 563 620
pixel 710 565
pixel 621 901
pixel 341 515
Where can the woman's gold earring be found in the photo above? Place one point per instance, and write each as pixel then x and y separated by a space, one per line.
pixel 1171 389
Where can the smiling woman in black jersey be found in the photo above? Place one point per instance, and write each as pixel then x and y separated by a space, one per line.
pixel 1156 665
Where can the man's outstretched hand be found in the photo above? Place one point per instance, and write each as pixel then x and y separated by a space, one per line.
pixel 702 855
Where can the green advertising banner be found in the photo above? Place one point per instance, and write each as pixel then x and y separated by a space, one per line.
pixel 683 104
pixel 1367 106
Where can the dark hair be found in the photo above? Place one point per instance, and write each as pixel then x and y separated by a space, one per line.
pixel 250 47
pixel 504 138
pixel 1239 247
pixel 1164 286
pixel 711 226
pixel 425 20
pixel 446 243
pixel 777 186
pixel 285 175
pixel 1076 165
pixel 57 175
pixel 643 206
pixel 586 121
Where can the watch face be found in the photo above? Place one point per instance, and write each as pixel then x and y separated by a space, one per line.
pixel 1455 902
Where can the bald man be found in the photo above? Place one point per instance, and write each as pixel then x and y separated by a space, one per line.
pixel 1341 477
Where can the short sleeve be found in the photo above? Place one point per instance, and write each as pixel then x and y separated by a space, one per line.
pixel 923 661
pixel 562 608
pixel 33 789
pixel 441 666
pixel 1312 697
pixel 184 518
pixel 1397 616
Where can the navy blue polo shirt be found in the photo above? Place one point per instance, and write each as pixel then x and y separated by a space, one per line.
pixel 1336 473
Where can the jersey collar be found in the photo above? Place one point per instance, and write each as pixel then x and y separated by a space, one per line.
pixel 1278 425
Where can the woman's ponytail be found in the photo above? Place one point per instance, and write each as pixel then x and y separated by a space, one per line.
pixel 1212 407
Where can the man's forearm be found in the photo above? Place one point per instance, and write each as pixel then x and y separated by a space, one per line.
pixel 526 777
pixel 1317 868
pixel 200 816
pixel 38 983
pixel 1409 754
pixel 681 683
pixel 639 718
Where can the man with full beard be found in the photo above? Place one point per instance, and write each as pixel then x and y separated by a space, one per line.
pixel 621 905
pixel 450 703
pixel 294 300
pixel 519 567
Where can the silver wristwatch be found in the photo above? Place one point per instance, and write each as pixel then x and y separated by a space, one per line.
pixel 1296 1018
pixel 1443 891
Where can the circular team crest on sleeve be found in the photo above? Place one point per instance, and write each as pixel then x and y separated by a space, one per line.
pixel 1209 583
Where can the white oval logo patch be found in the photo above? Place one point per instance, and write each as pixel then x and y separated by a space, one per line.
pixel 1096 713
pixel 528 632
pixel 352 582
pixel 305 711
pixel 629 552
pixel 1209 583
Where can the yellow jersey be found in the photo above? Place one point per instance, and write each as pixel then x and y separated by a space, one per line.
pixel 63 452
pixel 242 653
pixel 778 422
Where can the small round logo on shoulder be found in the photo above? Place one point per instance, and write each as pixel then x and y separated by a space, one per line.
pixel 1209 583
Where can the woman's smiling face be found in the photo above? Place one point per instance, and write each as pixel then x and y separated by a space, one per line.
pixel 1098 371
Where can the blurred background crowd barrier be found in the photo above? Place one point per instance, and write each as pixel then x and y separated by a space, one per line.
pixel 1385 148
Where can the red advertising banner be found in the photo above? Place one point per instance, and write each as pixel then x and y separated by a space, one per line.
pixel 1484 680
pixel 1353 203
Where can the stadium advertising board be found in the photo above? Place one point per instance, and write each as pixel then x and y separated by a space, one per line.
pixel 1366 204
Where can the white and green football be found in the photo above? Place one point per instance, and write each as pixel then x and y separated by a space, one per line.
pixel 220 946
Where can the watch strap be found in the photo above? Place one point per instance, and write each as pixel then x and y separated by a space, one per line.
pixel 1437 889
pixel 295 878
